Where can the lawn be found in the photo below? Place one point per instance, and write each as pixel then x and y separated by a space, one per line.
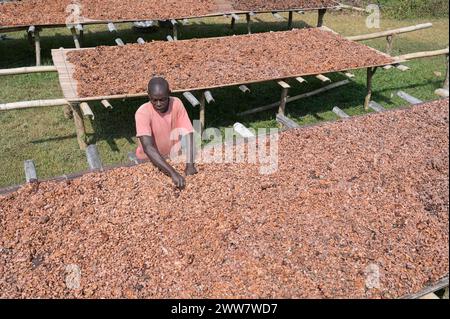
pixel 45 136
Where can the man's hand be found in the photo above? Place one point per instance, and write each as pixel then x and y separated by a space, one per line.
pixel 178 180
pixel 190 170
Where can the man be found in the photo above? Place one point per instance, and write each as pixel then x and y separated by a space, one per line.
pixel 159 124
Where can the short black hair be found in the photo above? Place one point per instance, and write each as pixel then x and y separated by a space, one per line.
pixel 156 83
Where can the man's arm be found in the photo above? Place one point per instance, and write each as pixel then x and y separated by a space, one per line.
pixel 148 144
pixel 190 161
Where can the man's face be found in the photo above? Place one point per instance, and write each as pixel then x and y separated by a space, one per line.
pixel 160 100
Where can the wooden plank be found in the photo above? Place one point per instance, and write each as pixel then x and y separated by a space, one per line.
pixel 340 113
pixel 441 92
pixel 430 296
pixel 244 89
pixel 242 130
pixel 209 98
pixel 409 98
pixel 376 107
pixel 287 122
pixel 402 67
pixel 284 85
pixel 30 171
pixel 119 42
pixel 300 79
pixel 65 73
pixel 86 110
pixel 323 78
pixel 191 99
pixel 93 158
pixel 106 104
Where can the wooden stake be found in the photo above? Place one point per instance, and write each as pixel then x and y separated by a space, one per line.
pixel 370 72
pixel 175 29
pixel 321 16
pixel 37 45
pixel 249 21
pixel 79 126
pixel 445 87
pixel 284 94
pixel 390 40
pixel 233 23
pixel 75 38
pixel 30 171
pixel 290 20
pixel 202 109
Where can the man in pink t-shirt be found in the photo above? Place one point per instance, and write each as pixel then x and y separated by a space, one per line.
pixel 159 125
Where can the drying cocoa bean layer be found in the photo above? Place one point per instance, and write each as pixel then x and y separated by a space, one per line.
pixel 206 63
pixel 357 209
pixel 37 12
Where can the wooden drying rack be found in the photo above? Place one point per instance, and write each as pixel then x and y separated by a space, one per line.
pixel 95 164
pixel 78 106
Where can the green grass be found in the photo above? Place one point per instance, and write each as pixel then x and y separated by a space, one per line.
pixel 45 136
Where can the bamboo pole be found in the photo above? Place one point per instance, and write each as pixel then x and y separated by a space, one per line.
pixel 37 45
pixel 32 104
pixel 445 87
pixel 30 69
pixel 75 38
pixel 290 19
pixel 295 98
pixel 202 109
pixel 284 94
pixel 249 22
pixel 390 32
pixel 370 73
pixel 79 125
pixel 390 42
pixel 321 16
pixel 418 55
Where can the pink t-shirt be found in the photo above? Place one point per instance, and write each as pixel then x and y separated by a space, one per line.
pixel 164 128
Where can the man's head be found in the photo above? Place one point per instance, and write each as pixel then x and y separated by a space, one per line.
pixel 158 92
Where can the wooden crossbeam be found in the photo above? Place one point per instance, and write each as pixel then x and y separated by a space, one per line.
pixel 409 98
pixel 296 98
pixel 389 32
